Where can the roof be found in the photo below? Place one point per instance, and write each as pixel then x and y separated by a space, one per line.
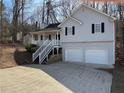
pixel 49 28
pixel 86 6
pixel 53 25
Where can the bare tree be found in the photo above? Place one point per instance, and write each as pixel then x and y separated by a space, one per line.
pixel 1 19
pixel 16 13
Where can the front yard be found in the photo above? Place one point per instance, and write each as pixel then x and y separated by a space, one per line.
pixel 54 78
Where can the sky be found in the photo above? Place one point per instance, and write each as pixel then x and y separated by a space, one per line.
pixel 29 11
pixel 8 3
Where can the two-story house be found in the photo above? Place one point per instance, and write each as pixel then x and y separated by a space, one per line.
pixel 86 36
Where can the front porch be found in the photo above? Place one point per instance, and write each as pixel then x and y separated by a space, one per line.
pixel 39 37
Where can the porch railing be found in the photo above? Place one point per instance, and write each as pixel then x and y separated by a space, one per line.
pixel 36 54
pixel 46 51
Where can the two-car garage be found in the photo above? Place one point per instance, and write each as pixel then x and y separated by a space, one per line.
pixel 90 53
pixel 87 56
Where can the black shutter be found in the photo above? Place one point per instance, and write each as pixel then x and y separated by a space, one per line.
pixel 102 27
pixel 66 31
pixel 93 28
pixel 41 37
pixel 73 30
pixel 59 36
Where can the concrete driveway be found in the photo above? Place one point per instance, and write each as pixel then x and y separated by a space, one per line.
pixel 55 78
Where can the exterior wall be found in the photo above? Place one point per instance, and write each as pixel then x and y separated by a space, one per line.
pixel 83 32
pixel 27 39
pixel 109 46
pixel 19 36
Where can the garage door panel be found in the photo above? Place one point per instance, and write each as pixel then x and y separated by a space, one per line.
pixel 73 55
pixel 96 56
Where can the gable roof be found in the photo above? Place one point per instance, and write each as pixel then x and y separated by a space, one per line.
pixel 49 28
pixel 70 17
pixel 86 6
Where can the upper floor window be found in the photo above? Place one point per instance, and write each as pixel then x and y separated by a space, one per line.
pixel 70 30
pixel 98 28
pixel 35 37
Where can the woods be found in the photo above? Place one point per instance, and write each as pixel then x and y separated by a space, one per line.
pixel 48 11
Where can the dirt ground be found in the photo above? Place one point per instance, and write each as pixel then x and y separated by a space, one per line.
pixel 13 56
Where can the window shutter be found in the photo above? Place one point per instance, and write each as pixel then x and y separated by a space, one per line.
pixel 73 30
pixel 93 28
pixel 66 31
pixel 41 37
pixel 102 27
pixel 59 36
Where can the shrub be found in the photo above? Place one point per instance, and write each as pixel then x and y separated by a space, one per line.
pixel 31 48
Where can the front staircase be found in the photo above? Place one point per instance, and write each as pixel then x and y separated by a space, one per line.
pixel 44 50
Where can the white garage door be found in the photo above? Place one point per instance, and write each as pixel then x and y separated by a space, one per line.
pixel 96 56
pixel 73 55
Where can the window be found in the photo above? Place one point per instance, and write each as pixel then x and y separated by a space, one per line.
pixel 41 37
pixel 66 31
pixel 97 28
pixel 49 37
pixel 73 30
pixel 35 37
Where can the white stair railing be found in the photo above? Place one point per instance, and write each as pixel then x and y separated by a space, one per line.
pixel 36 54
pixel 46 51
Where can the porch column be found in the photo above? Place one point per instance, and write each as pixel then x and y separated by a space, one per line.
pixel 39 38
pixel 43 37
pixel 32 39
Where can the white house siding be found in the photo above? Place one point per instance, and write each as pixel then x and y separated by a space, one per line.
pixel 83 32
pixel 84 39
pixel 107 46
